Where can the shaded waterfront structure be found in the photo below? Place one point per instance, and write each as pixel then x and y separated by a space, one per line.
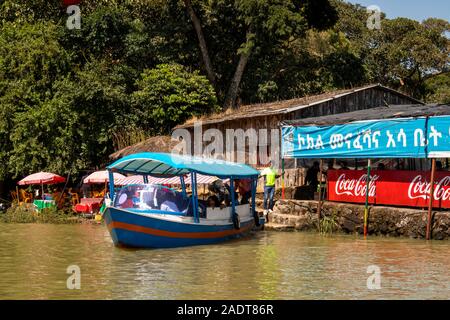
pixel 411 132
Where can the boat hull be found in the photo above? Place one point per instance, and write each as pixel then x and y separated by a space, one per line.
pixel 131 229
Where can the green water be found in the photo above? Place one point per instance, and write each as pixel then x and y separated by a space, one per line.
pixel 34 259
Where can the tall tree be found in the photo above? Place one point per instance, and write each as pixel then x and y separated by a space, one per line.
pixel 202 42
pixel 261 24
pixel 403 53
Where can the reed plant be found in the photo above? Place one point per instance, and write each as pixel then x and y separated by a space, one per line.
pixel 328 224
pixel 26 213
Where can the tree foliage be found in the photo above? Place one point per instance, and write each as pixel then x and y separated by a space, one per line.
pixel 170 94
pixel 402 54
pixel 140 66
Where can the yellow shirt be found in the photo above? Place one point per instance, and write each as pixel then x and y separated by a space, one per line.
pixel 270 175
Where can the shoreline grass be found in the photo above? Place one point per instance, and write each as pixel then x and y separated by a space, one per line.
pixel 26 213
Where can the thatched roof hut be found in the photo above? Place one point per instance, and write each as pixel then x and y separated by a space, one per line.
pixel 153 144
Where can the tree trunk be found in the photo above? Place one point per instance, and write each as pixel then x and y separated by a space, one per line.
pixel 202 43
pixel 230 99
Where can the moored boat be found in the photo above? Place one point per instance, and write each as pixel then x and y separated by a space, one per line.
pixel 155 216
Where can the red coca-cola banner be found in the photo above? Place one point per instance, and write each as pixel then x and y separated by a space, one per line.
pixel 71 2
pixel 389 187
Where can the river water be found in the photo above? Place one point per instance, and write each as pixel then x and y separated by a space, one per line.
pixel 34 259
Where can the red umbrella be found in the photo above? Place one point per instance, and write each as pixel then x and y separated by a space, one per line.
pixel 41 178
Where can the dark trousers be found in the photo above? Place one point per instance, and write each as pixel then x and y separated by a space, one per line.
pixel 245 197
pixel 269 192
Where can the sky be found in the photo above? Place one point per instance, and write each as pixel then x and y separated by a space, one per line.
pixel 413 9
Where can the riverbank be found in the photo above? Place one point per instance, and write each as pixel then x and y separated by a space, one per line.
pixel 301 215
pixel 26 213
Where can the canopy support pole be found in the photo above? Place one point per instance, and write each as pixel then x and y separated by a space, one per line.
pixel 283 196
pixel 42 191
pixel 366 208
pixel 233 201
pixel 146 179
pixel 194 196
pixel 111 185
pixel 183 187
pixel 430 204
pixel 253 208
pixel 319 206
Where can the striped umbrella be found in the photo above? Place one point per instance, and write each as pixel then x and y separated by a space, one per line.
pixel 41 178
pixel 138 179
pixel 100 177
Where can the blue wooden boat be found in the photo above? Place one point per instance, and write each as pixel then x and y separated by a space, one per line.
pixel 154 216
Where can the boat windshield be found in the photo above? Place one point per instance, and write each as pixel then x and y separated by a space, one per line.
pixel 151 197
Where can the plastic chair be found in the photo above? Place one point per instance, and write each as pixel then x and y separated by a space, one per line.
pixel 14 196
pixel 97 194
pixel 26 197
pixel 75 198
pixel 59 199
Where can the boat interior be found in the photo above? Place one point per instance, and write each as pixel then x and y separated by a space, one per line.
pixel 157 198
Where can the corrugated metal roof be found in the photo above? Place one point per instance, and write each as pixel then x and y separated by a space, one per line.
pixel 283 107
pixel 390 112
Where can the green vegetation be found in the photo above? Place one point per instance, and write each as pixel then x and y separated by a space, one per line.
pixel 137 68
pixel 328 224
pixel 168 95
pixel 438 88
pixel 27 214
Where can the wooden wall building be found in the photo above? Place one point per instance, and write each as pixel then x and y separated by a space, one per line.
pixel 269 115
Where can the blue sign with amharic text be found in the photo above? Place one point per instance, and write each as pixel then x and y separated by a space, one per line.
pixel 424 137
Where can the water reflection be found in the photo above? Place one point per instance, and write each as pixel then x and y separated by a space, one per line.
pixel 34 259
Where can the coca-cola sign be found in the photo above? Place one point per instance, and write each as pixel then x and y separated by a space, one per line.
pixel 420 188
pixel 389 187
pixel 71 2
pixel 355 187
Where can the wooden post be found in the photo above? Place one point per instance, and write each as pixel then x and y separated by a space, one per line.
pixel 319 206
pixel 366 208
pixel 283 196
pixel 430 205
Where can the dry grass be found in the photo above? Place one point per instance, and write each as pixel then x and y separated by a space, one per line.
pixel 152 144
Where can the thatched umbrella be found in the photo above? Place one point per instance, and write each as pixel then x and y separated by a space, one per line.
pixel 153 144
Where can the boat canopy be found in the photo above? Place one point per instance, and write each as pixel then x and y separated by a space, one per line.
pixel 167 165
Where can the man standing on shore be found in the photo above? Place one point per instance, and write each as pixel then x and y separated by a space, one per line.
pixel 270 175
